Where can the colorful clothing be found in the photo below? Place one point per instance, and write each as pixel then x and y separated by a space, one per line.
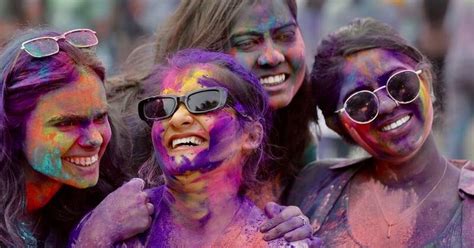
pixel 322 191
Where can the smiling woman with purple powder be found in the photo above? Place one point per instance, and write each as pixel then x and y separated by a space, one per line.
pixel 376 91
pixel 210 120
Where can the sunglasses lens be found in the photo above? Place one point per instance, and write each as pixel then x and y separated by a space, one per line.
pixel 159 108
pixel 204 101
pixel 41 47
pixel 82 38
pixel 362 106
pixel 404 86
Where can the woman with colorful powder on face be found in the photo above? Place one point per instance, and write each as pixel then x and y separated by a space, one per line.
pixel 209 120
pixel 376 91
pixel 265 37
pixel 54 132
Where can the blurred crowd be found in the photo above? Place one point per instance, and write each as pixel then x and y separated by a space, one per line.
pixel 441 29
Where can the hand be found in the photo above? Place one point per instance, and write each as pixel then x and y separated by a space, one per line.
pixel 288 222
pixel 121 215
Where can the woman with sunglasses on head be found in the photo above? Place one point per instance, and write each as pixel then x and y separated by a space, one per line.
pixel 376 91
pixel 54 135
pixel 209 121
pixel 265 37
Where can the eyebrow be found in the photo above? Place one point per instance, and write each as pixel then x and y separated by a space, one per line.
pixel 256 33
pixel 74 118
pixel 381 81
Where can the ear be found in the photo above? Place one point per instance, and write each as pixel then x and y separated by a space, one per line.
pixel 253 135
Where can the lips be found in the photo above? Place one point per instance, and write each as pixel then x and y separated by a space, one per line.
pixel 273 80
pixel 82 161
pixel 396 124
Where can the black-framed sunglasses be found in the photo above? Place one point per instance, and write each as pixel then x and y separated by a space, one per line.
pixel 48 45
pixel 197 102
pixel 362 107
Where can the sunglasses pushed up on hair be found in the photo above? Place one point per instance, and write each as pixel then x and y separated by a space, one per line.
pixel 200 101
pixel 362 107
pixel 48 45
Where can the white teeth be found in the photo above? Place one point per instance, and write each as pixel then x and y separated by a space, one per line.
pixel 273 80
pixel 83 161
pixel 396 123
pixel 188 141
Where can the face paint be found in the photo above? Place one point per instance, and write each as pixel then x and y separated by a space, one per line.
pixel 67 133
pixel 189 142
pixel 267 40
pixel 370 70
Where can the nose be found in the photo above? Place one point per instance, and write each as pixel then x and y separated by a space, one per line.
pixel 182 117
pixel 91 137
pixel 270 56
pixel 386 103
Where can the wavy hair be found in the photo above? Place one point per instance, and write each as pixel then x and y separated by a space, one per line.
pixel 23 80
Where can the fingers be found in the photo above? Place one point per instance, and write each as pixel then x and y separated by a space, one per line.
pixel 135 183
pixel 272 209
pixel 302 232
pixel 286 214
pixel 150 208
pixel 285 227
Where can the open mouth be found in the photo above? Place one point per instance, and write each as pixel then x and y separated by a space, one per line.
pixel 273 80
pixel 396 124
pixel 82 161
pixel 185 142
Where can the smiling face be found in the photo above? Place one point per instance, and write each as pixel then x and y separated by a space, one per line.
pixel 267 40
pixel 195 142
pixel 67 133
pixel 399 131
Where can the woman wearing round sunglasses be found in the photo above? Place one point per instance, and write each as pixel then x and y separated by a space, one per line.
pixel 376 91
pixel 54 136
pixel 209 124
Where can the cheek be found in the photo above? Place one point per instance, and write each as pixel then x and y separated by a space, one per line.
pixel 106 132
pixel 157 131
pixel 247 59
pixel 295 55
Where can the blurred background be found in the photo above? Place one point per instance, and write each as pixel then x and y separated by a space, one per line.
pixel 441 29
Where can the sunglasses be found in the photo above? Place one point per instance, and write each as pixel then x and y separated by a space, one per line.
pixel 200 101
pixel 48 45
pixel 362 107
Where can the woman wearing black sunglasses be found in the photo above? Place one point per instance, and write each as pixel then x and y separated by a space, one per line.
pixel 55 139
pixel 209 121
pixel 376 91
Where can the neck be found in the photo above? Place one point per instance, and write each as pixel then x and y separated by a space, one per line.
pixel 40 189
pixel 205 202
pixel 425 164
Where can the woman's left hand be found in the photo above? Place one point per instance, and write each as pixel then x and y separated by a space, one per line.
pixel 288 222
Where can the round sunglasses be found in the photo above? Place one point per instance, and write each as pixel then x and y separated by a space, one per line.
pixel 200 101
pixel 48 45
pixel 362 107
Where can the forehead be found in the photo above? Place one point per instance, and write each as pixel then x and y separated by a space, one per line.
pixel 83 96
pixel 187 79
pixel 263 16
pixel 364 68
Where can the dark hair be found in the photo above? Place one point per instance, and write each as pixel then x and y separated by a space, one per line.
pixel 359 35
pixel 207 25
pixel 243 88
pixel 24 80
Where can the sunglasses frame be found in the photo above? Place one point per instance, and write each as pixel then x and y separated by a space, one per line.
pixel 343 109
pixel 182 99
pixel 56 39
